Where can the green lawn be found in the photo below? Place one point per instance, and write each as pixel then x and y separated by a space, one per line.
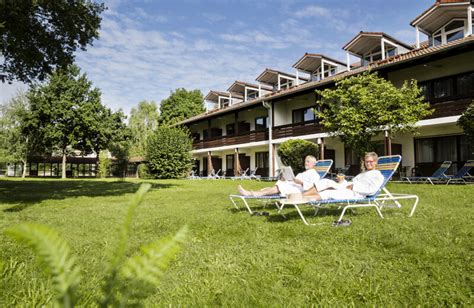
pixel 231 258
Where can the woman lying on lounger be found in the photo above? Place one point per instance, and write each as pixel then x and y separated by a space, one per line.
pixel 303 181
pixel 365 184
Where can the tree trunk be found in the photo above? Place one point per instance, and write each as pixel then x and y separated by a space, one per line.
pixel 63 171
pixel 23 173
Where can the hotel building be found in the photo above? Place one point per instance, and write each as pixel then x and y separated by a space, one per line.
pixel 248 122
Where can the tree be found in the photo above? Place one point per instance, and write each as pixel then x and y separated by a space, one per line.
pixel 15 140
pixel 169 152
pixel 361 106
pixel 466 121
pixel 180 105
pixel 143 121
pixel 67 115
pixel 294 151
pixel 38 36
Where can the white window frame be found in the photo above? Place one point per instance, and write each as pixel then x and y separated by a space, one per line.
pixel 445 34
pixel 371 54
pixel 330 72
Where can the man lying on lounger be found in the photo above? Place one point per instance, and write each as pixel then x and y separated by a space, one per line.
pixel 302 182
pixel 365 184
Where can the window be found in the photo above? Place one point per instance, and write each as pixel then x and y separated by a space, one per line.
pixel 427 90
pixel 195 136
pixel 261 160
pixel 454 30
pixel 443 88
pixel 261 123
pixel 230 129
pixel 229 161
pixel 329 70
pixel 252 94
pixel 303 115
pixel 454 25
pixel 455 35
pixel 431 152
pixel 453 87
pixel 286 83
pixel 465 84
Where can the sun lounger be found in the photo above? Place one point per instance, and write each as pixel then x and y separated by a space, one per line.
pixel 437 177
pixel 387 166
pixel 462 173
pixel 321 166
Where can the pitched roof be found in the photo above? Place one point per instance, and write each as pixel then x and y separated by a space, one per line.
pixel 365 34
pixel 435 5
pixel 390 61
pixel 263 77
pixel 300 64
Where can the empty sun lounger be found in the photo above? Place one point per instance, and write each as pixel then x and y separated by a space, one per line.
pixel 387 166
pixel 462 174
pixel 438 176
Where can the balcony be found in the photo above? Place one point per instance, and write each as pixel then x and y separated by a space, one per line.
pixel 252 136
pixel 297 129
pixel 289 130
pixel 450 108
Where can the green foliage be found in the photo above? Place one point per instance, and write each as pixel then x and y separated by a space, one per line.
pixel 293 152
pixel 67 114
pixel 466 121
pixel 128 281
pixel 59 28
pixel 14 139
pixel 104 164
pixel 169 152
pixel 180 105
pixel 54 253
pixel 361 106
pixel 143 171
pixel 143 121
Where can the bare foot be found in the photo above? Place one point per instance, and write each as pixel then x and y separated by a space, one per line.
pixel 242 191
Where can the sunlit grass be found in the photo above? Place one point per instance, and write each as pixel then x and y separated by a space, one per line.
pixel 231 258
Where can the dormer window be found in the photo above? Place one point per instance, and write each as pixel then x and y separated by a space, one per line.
pixel 224 102
pixel 376 54
pixel 285 83
pixel 318 66
pixel 452 31
pixel 329 70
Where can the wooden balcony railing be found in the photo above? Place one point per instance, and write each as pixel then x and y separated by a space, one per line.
pixel 297 129
pixel 444 109
pixel 450 108
pixel 252 136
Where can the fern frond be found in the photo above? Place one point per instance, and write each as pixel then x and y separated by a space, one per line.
pixel 118 254
pixel 150 265
pixel 54 252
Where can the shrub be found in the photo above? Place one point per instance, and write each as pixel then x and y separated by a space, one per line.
pixel 293 152
pixel 143 171
pixel 466 121
pixel 169 152
pixel 104 164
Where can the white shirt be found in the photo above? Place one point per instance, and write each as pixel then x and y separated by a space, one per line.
pixel 368 183
pixel 308 177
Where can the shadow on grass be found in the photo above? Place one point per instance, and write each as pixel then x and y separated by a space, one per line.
pixel 26 193
pixel 291 213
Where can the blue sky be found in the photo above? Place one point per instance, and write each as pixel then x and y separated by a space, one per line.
pixel 148 48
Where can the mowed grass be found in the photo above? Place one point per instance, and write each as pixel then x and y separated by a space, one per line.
pixel 233 259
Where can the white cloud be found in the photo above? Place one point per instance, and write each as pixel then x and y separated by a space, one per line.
pixel 314 11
